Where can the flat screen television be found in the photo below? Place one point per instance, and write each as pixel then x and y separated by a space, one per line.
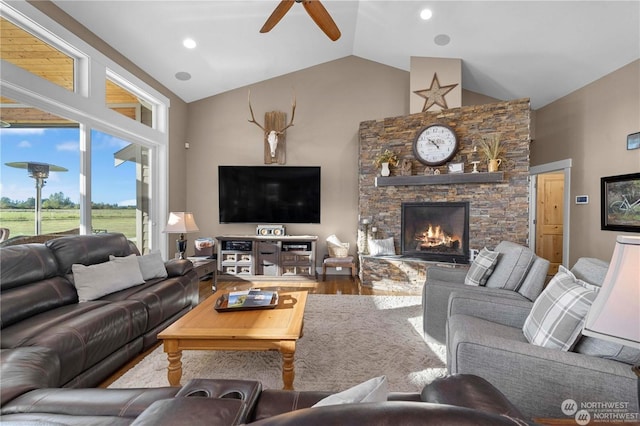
pixel 269 194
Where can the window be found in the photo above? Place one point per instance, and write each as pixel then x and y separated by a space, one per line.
pixel 38 57
pixel 40 167
pixel 126 103
pixel 120 188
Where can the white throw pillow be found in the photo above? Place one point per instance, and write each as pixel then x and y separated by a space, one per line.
pixel 373 390
pixel 482 267
pixel 151 265
pixel 337 248
pixel 95 281
pixel 383 247
pixel 558 314
pixel 333 240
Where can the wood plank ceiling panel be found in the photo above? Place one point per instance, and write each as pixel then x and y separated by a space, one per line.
pixel 30 53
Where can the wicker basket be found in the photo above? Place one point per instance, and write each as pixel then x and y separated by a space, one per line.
pixel 335 251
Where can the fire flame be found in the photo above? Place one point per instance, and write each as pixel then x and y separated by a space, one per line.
pixel 434 237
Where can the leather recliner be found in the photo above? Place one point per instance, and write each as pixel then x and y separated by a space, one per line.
pixel 39 306
pixel 27 398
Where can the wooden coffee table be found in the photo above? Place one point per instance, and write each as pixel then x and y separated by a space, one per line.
pixel 204 328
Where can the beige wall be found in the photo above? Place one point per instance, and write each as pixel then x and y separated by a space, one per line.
pixel 590 126
pixel 472 98
pixel 332 100
pixel 423 70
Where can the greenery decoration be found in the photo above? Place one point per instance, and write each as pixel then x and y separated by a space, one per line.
pixel 491 147
pixel 387 156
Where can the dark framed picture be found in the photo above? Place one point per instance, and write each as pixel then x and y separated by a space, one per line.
pixel 620 197
pixel 633 141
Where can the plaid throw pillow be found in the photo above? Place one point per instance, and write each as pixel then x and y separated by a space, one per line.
pixel 482 267
pixel 558 314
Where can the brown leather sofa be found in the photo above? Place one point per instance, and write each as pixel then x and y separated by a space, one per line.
pixel 39 306
pixel 27 398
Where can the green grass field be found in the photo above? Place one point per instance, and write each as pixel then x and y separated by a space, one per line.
pixel 22 222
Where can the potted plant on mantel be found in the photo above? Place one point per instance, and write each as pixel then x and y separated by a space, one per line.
pixel 384 160
pixel 492 149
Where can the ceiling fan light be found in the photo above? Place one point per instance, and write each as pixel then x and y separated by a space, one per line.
pixel 189 43
pixel 426 14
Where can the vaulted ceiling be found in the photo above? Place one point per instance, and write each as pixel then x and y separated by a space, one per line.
pixel 509 49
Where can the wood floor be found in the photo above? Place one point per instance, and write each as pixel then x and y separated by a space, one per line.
pixel 334 284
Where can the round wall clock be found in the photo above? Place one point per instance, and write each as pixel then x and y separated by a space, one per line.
pixel 435 144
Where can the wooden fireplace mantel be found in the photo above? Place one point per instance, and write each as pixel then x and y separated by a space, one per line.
pixel 445 179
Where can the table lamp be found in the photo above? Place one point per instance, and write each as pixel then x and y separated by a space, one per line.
pixel 615 313
pixel 181 223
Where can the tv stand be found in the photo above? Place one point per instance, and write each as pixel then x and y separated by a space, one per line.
pixel 255 258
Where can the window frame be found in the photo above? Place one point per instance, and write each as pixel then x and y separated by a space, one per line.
pixel 85 105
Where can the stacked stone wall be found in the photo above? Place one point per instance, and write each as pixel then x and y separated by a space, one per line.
pixel 498 211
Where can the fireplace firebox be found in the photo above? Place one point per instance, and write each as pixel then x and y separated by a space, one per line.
pixel 436 231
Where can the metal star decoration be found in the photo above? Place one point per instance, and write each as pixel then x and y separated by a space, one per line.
pixel 434 95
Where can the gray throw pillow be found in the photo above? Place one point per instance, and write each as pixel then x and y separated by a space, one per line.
pixel 373 390
pixel 558 314
pixel 514 263
pixel 482 267
pixel 151 265
pixel 95 281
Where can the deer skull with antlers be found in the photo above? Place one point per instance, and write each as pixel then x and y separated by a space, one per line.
pixel 274 127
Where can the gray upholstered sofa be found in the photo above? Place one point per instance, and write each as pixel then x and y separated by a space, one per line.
pixel 485 337
pixel 518 275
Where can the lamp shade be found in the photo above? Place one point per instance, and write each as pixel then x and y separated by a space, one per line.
pixel 181 223
pixel 615 314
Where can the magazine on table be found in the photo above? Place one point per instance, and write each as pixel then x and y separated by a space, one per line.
pixel 247 299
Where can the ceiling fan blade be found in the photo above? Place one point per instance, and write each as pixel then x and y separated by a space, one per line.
pixel 321 17
pixel 280 10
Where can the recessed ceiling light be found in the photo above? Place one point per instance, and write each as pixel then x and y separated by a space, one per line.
pixel 189 43
pixel 426 14
pixel 442 39
pixel 183 76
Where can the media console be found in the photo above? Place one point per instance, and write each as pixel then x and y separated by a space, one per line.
pixel 250 257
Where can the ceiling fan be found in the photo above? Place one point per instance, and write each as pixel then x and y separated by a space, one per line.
pixel 314 8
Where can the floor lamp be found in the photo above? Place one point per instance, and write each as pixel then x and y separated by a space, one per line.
pixel 615 314
pixel 181 223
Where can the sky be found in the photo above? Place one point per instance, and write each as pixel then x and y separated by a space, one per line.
pixel 60 147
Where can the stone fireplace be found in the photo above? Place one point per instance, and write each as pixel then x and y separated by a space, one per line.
pixel 498 209
pixel 436 231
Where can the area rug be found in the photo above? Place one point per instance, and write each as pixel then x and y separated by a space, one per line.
pixel 347 340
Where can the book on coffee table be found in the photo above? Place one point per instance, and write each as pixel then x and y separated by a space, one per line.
pixel 247 299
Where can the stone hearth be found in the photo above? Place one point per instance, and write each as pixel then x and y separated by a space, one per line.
pixel 396 273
